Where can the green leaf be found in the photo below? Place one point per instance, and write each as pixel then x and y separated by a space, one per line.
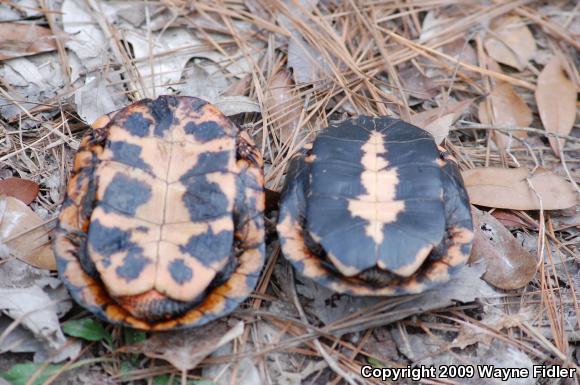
pixel 376 363
pixel 133 336
pixel 87 329
pixel 19 374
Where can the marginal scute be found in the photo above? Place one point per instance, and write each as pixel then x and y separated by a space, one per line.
pixel 374 207
pixel 163 217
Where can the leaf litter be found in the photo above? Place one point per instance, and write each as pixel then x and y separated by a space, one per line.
pixel 496 84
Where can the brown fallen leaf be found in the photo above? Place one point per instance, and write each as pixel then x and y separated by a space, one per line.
pixel 508 265
pixel 556 98
pixel 24 234
pixel 507 109
pixel 18 40
pixel 439 128
pixel 507 188
pixel 416 84
pixel 510 42
pixel 424 118
pixel 22 189
pixel 282 106
pixel 437 121
pixel 461 50
pixel 185 349
pixel 512 221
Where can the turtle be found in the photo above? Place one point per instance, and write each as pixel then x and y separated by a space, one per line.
pixel 374 207
pixel 162 225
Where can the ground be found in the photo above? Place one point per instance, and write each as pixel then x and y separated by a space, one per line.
pixel 495 83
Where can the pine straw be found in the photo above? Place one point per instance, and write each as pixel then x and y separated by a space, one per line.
pixel 358 50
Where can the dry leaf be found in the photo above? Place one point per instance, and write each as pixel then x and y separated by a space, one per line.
pixel 17 40
pixel 22 189
pixel 417 84
pixel 24 235
pixel 439 128
pixel 87 41
pixel 424 118
pixel 233 105
pixel 282 106
pixel 556 98
pixel 433 23
pixel 307 63
pixel 186 348
pixel 510 42
pixel 507 188
pixel 511 220
pixel 509 265
pixel 94 100
pixel 437 121
pixel 507 109
pixel 38 313
pixel 461 50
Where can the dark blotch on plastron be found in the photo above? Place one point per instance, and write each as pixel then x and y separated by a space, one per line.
pixel 133 264
pixel 203 199
pixel 126 194
pixel 209 247
pixel 180 272
pixel 209 162
pixel 128 154
pixel 162 112
pixel 137 125
pixel 107 240
pixel 206 131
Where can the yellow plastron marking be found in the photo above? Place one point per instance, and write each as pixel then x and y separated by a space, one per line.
pixel 378 206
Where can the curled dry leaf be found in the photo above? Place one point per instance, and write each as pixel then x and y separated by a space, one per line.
pixel 17 40
pixel 510 42
pixel 185 349
pixel 508 188
pixel 508 264
pixel 37 312
pixel 22 189
pixel 282 106
pixel 556 98
pixel 24 234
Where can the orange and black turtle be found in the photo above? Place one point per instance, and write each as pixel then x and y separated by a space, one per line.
pixel 374 207
pixel 162 224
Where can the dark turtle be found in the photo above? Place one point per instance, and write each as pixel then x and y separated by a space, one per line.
pixel 162 224
pixel 374 207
